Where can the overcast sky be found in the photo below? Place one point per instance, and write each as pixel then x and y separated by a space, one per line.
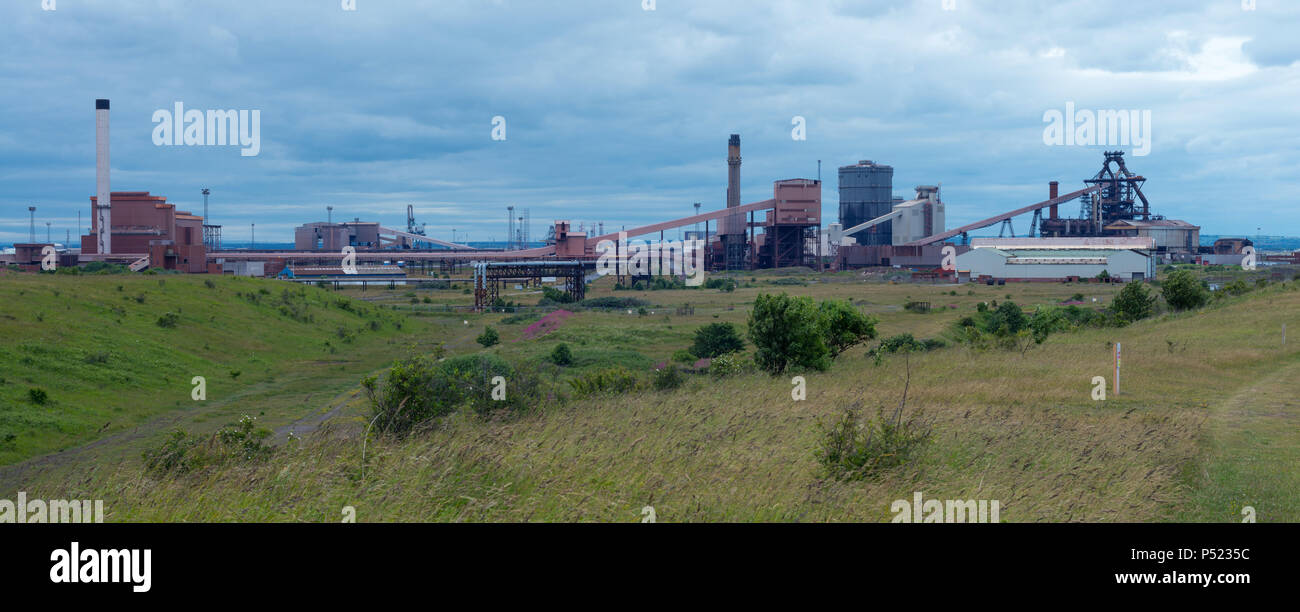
pixel 619 114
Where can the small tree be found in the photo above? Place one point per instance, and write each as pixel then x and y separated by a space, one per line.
pixel 844 326
pixel 787 331
pixel 1134 302
pixel 716 339
pixel 1007 319
pixel 489 337
pixel 1183 291
pixel 561 356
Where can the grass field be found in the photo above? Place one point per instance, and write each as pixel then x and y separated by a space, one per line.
pixel 1205 423
pixel 108 363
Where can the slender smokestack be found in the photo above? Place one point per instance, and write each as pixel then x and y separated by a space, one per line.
pixel 103 199
pixel 1052 188
pixel 731 224
pixel 733 171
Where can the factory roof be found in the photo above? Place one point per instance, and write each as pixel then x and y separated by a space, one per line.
pixel 1050 253
pixel 1114 243
pixel 1125 223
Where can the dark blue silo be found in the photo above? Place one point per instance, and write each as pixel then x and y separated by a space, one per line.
pixel 867 192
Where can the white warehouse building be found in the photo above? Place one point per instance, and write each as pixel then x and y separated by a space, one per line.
pixel 1057 259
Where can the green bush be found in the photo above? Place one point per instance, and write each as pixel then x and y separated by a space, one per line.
pixel 551 295
pixel 844 326
pixel 613 302
pixel 729 365
pixel 667 378
pixel 725 284
pixel 184 452
pixel 1236 287
pixel 562 356
pixel 905 343
pixel 489 337
pixel 518 319
pixel 917 307
pixel 617 379
pixel 1007 319
pixel 852 450
pixel 792 332
pixel 1134 302
pixel 787 332
pixel 716 339
pixel 168 320
pixel 684 356
pixel 420 390
pixel 1183 291
pixel 38 396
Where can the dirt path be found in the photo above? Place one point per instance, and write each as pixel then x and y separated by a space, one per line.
pixel 15 477
pixel 1253 454
pixel 312 422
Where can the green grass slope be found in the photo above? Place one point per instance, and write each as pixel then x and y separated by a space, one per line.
pixel 102 351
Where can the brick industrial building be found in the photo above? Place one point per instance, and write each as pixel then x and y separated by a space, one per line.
pixel 146 224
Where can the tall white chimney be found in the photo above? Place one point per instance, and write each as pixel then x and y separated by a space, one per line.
pixel 103 199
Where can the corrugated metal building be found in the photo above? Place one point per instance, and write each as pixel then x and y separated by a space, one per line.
pixel 1057 259
pixel 866 192
pixel 1170 235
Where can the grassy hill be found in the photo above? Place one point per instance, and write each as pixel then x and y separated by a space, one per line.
pixel 83 357
pixel 1204 425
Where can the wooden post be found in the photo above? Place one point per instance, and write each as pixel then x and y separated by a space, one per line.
pixel 1117 362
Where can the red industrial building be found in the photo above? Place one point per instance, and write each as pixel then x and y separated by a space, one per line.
pixel 147 225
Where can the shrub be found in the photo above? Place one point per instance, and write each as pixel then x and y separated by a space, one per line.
pixel 683 356
pixel 519 319
pixel 1134 302
pixel 617 379
pixel 38 396
pixel 725 284
pixel 790 332
pixel 184 452
pixel 489 337
pixel 787 333
pixel 668 377
pixel 1007 319
pixel 852 450
pixel 716 339
pixel 178 453
pixel 1182 290
pixel 917 307
pixel 562 356
pixel 729 365
pixel 905 343
pixel 420 390
pixel 1237 287
pixel 844 326
pixel 613 302
pixel 555 296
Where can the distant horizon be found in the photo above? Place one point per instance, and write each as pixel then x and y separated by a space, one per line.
pixel 1292 242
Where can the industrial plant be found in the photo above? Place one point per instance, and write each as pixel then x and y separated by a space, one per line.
pixel 875 228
